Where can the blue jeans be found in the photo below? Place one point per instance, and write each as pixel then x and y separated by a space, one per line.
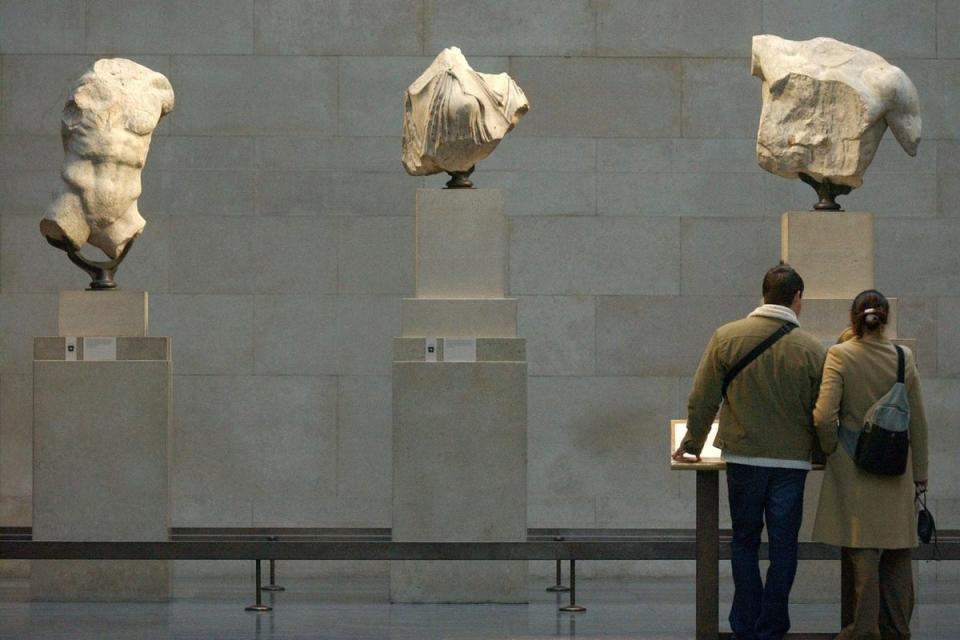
pixel 760 612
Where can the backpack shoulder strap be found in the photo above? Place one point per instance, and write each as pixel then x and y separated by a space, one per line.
pixel 755 353
pixel 901 365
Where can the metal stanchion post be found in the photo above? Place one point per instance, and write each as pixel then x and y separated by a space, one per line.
pixel 573 607
pixel 273 586
pixel 259 606
pixel 558 586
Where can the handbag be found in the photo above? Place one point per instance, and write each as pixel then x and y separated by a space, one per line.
pixel 883 444
pixel 926 526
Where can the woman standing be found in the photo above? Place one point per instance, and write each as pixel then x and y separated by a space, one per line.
pixel 870 516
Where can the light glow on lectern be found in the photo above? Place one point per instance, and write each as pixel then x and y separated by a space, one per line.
pixel 678 429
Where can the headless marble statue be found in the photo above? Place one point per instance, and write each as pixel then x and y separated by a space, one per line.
pixel 826 105
pixel 455 116
pixel 106 127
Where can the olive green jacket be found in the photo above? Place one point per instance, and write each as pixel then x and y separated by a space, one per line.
pixel 769 407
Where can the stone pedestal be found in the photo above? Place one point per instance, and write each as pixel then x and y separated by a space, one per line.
pixel 101 448
pixel 833 251
pixel 461 243
pixel 460 428
pixel 115 312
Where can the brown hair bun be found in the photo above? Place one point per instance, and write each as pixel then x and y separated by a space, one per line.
pixel 869 311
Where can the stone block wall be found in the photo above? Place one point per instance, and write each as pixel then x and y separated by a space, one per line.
pixel 280 232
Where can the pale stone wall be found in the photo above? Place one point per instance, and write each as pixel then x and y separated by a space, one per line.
pixel 280 231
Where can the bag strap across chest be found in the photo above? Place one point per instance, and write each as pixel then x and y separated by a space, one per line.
pixel 901 364
pixel 755 353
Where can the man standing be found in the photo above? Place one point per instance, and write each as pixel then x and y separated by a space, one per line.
pixel 767 373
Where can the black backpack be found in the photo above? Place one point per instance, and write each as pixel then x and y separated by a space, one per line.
pixel 882 445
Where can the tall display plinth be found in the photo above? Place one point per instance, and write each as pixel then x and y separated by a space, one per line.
pixel 460 404
pixel 101 450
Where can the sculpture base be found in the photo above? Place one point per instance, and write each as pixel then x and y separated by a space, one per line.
pixel 460 179
pixel 462 243
pixel 827 192
pixel 101 272
pixel 103 313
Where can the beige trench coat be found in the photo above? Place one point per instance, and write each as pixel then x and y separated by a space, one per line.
pixel 860 509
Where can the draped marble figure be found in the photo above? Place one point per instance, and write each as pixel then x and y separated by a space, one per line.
pixel 826 105
pixel 455 116
pixel 106 128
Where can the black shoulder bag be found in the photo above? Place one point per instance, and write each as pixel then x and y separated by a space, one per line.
pixel 755 353
pixel 926 526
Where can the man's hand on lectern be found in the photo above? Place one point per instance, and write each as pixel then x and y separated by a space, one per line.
pixel 682 456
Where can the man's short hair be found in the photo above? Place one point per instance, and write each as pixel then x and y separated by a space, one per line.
pixel 781 284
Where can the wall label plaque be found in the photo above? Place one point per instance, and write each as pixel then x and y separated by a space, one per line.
pixel 100 349
pixel 459 349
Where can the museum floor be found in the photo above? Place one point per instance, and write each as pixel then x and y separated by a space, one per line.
pixel 357 609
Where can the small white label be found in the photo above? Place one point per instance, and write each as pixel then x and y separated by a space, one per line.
pixel 99 349
pixel 70 350
pixel 430 354
pixel 459 349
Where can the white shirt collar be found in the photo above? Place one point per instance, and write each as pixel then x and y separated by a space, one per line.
pixel 777 312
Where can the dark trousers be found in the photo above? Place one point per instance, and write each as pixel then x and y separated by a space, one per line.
pixel 758 494
pixel 882 594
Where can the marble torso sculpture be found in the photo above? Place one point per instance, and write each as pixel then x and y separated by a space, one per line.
pixel 106 127
pixel 455 116
pixel 826 105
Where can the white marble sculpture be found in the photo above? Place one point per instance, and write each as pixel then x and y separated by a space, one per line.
pixel 106 128
pixel 826 105
pixel 455 116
